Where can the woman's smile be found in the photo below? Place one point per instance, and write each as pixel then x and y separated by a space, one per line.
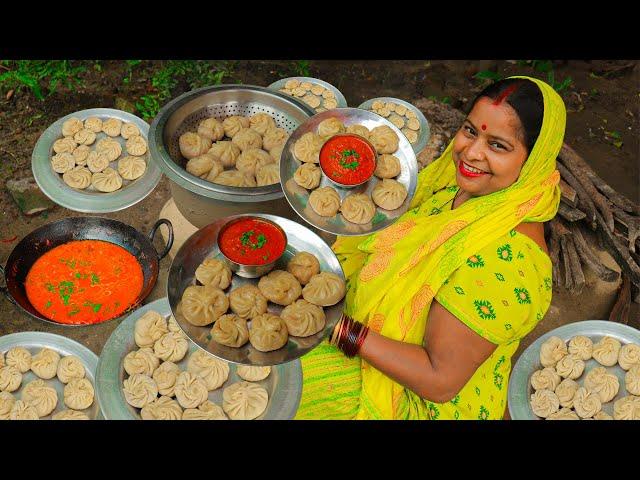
pixel 469 171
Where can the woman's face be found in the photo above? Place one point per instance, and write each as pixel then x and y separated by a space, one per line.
pixel 488 151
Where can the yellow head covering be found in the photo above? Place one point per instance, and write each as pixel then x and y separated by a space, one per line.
pixel 406 264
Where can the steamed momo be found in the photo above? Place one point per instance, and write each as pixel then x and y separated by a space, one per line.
pixel 547 378
pixel 388 166
pixel 212 129
pixel 570 367
pixel 268 174
pixel 629 356
pixel 631 380
pixel 253 374
pixel 163 408
pixel 69 368
pixel 566 391
pixel 78 394
pixel 303 318
pixel 64 145
pixel 625 408
pixel 165 377
pixel 303 266
pixel 191 390
pixel 225 151
pixel 40 396
pixel 110 148
pixel 308 176
pixel 247 301
pixel 359 130
pixel 325 201
pixel 136 145
pixel 139 390
pixel 586 403
pixel 84 137
pixel 207 411
pixel 129 130
pixel 6 404
pixel 544 403
pixel 97 161
pixel 45 363
pixel 216 169
pixel 307 148
pixel 280 287
pixel 94 124
pixel 324 289
pixel 247 138
pixel 330 127
pixel 112 127
pixel 552 350
pixel 71 127
pixel 106 181
pixel 261 123
pixel 268 332
pixel 20 358
pixel 564 414
pixel 131 168
pixel 214 272
pixel 358 207
pixel 193 145
pixel 214 372
pixel 10 378
pixel 606 351
pixel 232 125
pixel 63 162
pixel 384 139
pixel 389 194
pixel 171 347
pixel 581 346
pixel 230 330
pixel 251 159
pixel 605 384
pixel 23 411
pixel 149 328
pixel 80 154
pixel 235 178
pixel 141 361
pixel 203 305
pixel 274 138
pixel 244 401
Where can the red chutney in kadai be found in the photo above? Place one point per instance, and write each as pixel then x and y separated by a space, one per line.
pixel 84 282
pixel 348 159
pixel 252 241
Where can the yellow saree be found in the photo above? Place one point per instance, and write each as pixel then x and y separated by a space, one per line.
pixel 395 274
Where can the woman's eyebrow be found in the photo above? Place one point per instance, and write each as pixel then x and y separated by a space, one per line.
pixel 492 136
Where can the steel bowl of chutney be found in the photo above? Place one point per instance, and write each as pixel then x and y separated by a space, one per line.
pixel 348 160
pixel 251 245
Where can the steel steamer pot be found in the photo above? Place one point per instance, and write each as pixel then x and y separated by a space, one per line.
pixel 202 202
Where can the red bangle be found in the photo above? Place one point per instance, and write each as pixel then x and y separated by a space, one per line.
pixel 363 334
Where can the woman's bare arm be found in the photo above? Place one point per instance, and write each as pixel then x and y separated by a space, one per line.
pixel 451 354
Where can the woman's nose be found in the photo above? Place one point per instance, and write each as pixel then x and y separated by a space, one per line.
pixel 475 151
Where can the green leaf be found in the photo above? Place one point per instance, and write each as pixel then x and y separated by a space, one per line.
pixel 488 75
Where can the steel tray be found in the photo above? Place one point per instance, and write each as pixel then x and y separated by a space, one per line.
pixel 202 245
pixel 298 196
pixel 520 389
pixel 284 383
pixel 91 200
pixel 34 342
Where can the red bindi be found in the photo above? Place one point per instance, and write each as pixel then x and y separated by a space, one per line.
pixel 484 127
pixel 502 97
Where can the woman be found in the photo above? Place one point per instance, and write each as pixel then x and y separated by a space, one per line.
pixel 449 290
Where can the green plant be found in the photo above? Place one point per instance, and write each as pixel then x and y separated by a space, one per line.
pixel 546 66
pixel 302 68
pixel 196 73
pixel 488 75
pixel 130 65
pixel 37 75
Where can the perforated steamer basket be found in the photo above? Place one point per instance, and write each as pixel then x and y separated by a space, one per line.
pixel 202 202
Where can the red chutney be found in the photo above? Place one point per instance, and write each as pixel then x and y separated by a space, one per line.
pixel 348 159
pixel 84 282
pixel 252 241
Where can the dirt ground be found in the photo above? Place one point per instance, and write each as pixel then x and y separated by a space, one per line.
pixel 603 102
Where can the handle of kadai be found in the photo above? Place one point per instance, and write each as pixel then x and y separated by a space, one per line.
pixel 4 288
pixel 167 248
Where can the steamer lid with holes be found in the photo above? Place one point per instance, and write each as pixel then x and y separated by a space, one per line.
pixel 184 113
